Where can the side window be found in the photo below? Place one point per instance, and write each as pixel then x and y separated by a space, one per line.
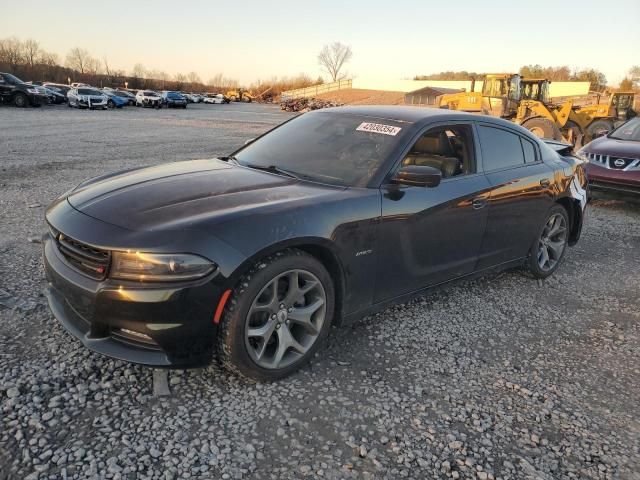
pixel 447 148
pixel 529 151
pixel 500 148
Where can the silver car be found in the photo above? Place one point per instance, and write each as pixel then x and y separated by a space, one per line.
pixel 87 97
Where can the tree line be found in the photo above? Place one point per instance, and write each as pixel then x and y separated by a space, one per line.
pixel 559 74
pixel 29 61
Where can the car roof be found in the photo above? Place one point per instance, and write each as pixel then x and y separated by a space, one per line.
pixel 418 115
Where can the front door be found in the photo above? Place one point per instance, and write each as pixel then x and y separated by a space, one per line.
pixel 431 235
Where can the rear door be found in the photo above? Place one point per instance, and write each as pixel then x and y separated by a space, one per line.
pixel 431 235
pixel 521 193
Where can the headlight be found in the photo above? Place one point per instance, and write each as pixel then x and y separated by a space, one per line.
pixel 159 267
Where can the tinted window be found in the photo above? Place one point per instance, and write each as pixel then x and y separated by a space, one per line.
pixel 529 151
pixel 500 149
pixel 329 147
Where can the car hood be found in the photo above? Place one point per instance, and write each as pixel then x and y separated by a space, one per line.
pixel 611 146
pixel 186 194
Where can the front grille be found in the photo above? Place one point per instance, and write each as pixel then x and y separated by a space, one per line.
pixel 89 260
pixel 613 163
pixel 619 163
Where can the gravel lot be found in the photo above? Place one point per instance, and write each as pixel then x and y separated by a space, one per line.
pixel 503 377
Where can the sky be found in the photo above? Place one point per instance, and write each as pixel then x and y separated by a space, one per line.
pixel 250 40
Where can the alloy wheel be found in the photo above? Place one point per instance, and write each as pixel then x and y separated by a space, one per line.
pixel 285 319
pixel 552 243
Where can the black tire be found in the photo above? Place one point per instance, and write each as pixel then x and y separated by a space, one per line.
pixel 111 104
pixel 598 127
pixel 21 100
pixel 543 128
pixel 533 261
pixel 232 349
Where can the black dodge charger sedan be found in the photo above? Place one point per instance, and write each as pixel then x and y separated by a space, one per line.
pixel 328 217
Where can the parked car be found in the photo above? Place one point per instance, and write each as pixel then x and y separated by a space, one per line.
pixel 113 100
pixel 215 98
pixel 614 160
pixel 174 99
pixel 62 88
pixel 188 97
pixel 87 97
pixel 79 84
pixel 328 217
pixel 56 96
pixel 148 98
pixel 21 94
pixel 128 96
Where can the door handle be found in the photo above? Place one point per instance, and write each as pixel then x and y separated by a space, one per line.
pixel 478 202
pixel 545 182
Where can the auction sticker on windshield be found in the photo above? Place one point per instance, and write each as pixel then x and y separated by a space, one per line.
pixel 378 128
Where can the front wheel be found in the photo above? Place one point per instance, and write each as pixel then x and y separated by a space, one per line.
pixel 21 100
pixel 111 104
pixel 549 248
pixel 277 317
pixel 543 128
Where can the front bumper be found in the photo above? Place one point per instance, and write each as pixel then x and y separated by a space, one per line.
pixel 162 326
pixel 175 104
pixel 613 180
pixel 38 99
pixel 151 103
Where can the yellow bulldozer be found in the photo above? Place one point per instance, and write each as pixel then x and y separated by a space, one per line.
pixel 526 101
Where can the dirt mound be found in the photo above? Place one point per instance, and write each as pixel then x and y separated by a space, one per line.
pixel 355 96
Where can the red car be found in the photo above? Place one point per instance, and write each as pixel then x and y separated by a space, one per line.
pixel 614 160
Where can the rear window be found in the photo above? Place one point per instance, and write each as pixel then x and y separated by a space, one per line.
pixel 500 148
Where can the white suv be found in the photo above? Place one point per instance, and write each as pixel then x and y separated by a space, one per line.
pixel 148 98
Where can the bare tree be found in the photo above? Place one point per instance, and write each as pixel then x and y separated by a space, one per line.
pixel 194 79
pixel 634 74
pixel 78 59
pixel 333 58
pixel 11 52
pixel 180 80
pixel 32 52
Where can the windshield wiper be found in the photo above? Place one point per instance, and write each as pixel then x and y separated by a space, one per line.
pixel 272 169
pixel 230 159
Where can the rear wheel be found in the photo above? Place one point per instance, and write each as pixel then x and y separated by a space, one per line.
pixel 277 317
pixel 549 248
pixel 543 128
pixel 20 100
pixel 599 128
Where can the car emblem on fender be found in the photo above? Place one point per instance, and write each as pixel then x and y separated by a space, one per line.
pixel 619 162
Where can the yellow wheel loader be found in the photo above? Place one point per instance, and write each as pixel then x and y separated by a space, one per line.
pixel 526 101
pixel 239 95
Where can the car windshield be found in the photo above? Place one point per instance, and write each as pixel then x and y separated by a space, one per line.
pixel 329 147
pixel 174 95
pixel 150 94
pixel 628 131
pixel 89 91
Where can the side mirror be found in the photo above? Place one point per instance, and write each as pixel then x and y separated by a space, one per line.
pixel 418 176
